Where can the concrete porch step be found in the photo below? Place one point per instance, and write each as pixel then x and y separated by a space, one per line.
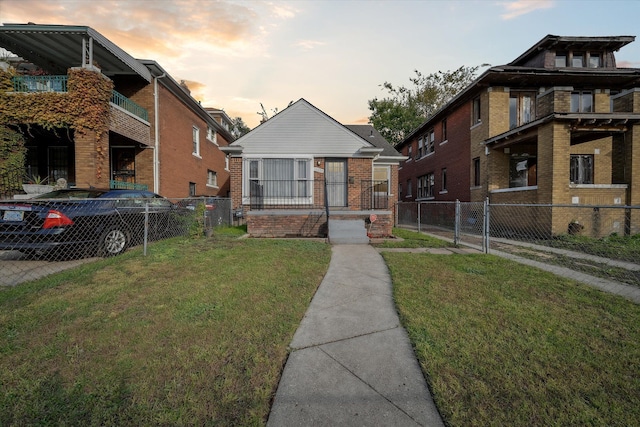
pixel 347 232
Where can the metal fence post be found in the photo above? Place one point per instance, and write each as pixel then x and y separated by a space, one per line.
pixel 146 227
pixel 456 225
pixel 485 228
pixel 419 218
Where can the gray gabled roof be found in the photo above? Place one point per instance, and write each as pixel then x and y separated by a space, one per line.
pixel 371 135
pixel 57 48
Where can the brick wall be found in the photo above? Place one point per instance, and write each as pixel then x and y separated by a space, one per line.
pixel 311 224
pixel 91 168
pixel 178 166
pixel 454 154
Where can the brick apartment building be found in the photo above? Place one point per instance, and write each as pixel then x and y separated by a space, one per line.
pixel 558 125
pixel 153 133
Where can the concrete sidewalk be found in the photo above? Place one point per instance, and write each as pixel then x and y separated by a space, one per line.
pixel 351 361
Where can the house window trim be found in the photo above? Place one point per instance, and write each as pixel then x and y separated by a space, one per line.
pixel 195 137
pixel 592 169
pixel 476 111
pixel 211 131
pixel 215 175
pixel 477 179
pixel 443 181
pixel 426 187
pixel 581 95
pixel 246 179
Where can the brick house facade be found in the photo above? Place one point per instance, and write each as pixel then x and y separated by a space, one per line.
pixel 159 137
pixel 301 164
pixel 558 125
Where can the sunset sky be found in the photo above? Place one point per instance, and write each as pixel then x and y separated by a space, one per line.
pixel 236 55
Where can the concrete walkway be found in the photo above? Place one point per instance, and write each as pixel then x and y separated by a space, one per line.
pixel 351 361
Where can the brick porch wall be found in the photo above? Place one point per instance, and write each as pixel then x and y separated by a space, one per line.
pixel 288 223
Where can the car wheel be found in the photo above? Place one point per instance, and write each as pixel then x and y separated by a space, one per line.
pixel 113 242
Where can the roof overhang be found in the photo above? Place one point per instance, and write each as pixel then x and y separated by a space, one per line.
pixel 56 48
pixel 232 150
pixel 583 126
pixel 369 151
pixel 610 43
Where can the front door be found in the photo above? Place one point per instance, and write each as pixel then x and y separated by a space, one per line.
pixel 123 167
pixel 336 178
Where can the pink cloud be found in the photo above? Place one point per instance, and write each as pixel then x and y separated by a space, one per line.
pixel 522 7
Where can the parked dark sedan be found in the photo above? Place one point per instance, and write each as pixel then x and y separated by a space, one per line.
pixel 84 222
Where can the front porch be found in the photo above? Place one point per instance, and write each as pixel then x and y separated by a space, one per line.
pixel 120 158
pixel 289 208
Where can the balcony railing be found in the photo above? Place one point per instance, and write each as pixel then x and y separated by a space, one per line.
pixel 39 83
pixel 59 84
pixel 307 194
pixel 128 105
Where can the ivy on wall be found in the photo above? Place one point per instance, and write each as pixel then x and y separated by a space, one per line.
pixel 84 108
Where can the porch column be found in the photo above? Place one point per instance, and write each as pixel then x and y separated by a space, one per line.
pixel 554 143
pixel 92 159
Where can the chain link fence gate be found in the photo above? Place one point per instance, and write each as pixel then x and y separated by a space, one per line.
pixel 40 237
pixel 602 241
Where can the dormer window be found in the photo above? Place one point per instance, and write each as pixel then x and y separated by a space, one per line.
pixel 578 59
pixel 561 59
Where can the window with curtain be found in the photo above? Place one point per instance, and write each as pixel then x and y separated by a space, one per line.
pixel 279 179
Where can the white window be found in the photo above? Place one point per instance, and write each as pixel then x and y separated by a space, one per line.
pixel 212 135
pixel 212 178
pixel 279 180
pixel 196 141
pixel 226 163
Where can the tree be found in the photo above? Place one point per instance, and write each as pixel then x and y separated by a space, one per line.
pixel 239 127
pixel 406 108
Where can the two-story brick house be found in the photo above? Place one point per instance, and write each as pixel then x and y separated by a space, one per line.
pixel 94 115
pixel 558 125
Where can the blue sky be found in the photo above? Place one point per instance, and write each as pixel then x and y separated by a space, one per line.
pixel 237 54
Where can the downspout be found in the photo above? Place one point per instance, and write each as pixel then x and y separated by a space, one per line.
pixel 156 120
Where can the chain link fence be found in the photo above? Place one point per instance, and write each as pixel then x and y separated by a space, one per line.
pixel 42 236
pixel 601 241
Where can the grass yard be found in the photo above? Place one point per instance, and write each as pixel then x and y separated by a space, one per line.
pixel 506 344
pixel 196 333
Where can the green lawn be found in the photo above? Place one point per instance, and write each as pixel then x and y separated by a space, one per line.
pixel 506 344
pixel 197 333
pixel 194 334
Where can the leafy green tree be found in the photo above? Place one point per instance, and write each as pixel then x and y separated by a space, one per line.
pixel 239 127
pixel 405 108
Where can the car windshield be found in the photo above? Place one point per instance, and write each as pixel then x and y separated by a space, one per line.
pixel 71 194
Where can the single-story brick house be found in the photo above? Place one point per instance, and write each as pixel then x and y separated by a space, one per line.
pixel 301 167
